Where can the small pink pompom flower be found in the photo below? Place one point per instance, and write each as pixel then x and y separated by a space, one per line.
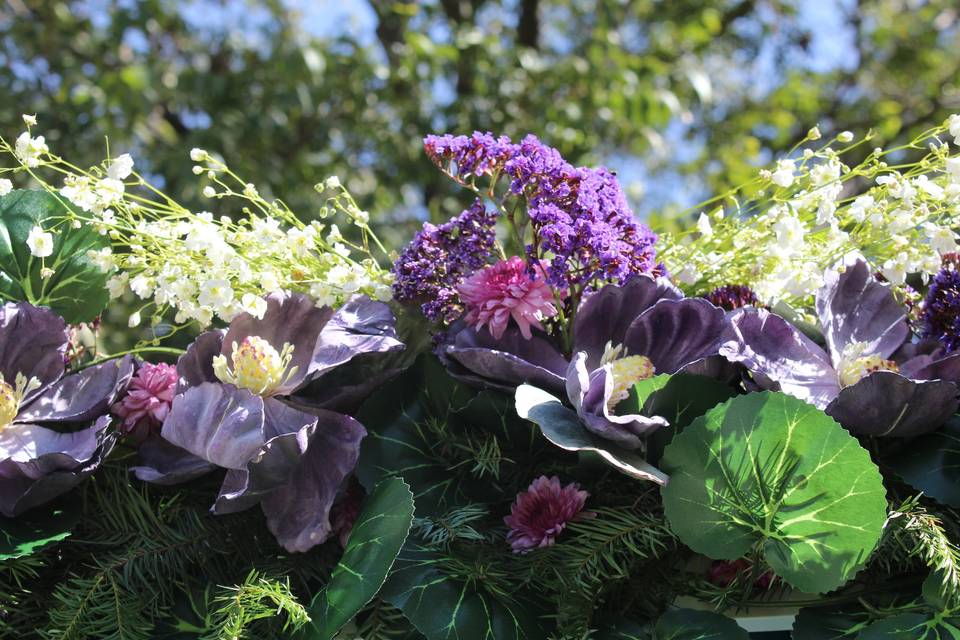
pixel 541 512
pixel 148 398
pixel 506 290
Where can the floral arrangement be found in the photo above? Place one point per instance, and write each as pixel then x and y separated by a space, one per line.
pixel 539 420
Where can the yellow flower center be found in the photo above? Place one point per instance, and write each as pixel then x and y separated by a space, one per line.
pixel 11 397
pixel 626 372
pixel 854 370
pixel 256 366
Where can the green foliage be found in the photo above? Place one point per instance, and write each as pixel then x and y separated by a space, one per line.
pixel 256 598
pixel 679 398
pixel 446 597
pixel 931 463
pixel 77 288
pixel 37 528
pixel 771 472
pixel 375 540
pixel 920 534
pixel 562 427
pixel 691 624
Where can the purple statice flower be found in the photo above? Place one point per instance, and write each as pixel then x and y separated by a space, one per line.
pixel 438 259
pixel 463 157
pixel 940 314
pixel 541 513
pixel 732 296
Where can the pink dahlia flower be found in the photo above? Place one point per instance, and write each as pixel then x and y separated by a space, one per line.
pixel 541 512
pixel 148 398
pixel 506 290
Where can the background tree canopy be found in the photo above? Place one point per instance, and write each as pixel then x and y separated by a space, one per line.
pixel 682 98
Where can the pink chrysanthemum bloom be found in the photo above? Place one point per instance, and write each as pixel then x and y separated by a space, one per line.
pixel 541 512
pixel 506 290
pixel 148 398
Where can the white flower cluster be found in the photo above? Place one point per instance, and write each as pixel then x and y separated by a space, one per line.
pixel 813 210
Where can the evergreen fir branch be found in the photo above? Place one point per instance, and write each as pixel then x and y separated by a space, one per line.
pixel 256 598
pixel 458 524
pixel 921 534
pixel 607 547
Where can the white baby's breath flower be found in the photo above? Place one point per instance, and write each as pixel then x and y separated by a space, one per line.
pixel 198 155
pixel 845 136
pixel 46 273
pixel 216 294
pixel 40 243
pixel 861 207
pixel 704 226
pixel 29 120
pixel 333 182
pixel 121 167
pixel 814 134
pixel 783 176
pixel 5 186
pixel 953 168
pixel 117 284
pixel 209 192
pixel 953 124
pixel 254 305
pixel 29 149
pixel 134 320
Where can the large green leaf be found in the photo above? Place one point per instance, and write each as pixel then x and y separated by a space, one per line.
pixel 931 463
pixel 417 425
pixel 829 623
pixel 913 626
pixel 692 624
pixel 562 427
pixel 37 528
pixel 769 470
pixel 679 398
pixel 443 606
pixel 376 539
pixel 77 289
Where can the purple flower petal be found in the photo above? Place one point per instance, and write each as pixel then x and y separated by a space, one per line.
pixel 165 463
pixel 82 396
pixel 298 513
pixel 196 366
pixel 769 345
pixel 217 422
pixel 287 432
pixel 478 358
pixel 676 333
pixel 887 404
pixel 605 316
pixel 590 392
pixel 854 307
pixel 289 318
pixel 33 341
pixel 360 326
pixel 38 464
pixel 928 360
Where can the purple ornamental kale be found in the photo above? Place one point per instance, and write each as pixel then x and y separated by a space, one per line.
pixel 621 335
pixel 53 427
pixel 866 378
pixel 238 409
pixel 940 314
pixel 439 258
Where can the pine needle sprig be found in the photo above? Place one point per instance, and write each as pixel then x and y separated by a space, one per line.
pixel 257 598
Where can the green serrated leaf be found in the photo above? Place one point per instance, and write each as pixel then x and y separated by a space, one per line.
pixel 693 624
pixel 823 623
pixel 913 626
pixel 37 528
pixel 623 629
pixel 562 427
pixel 640 392
pixel 443 607
pixel 931 463
pixel 77 289
pixel 377 536
pixel 769 470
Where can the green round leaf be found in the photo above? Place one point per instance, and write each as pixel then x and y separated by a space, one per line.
pixel 771 470
pixel 37 528
pixel 376 539
pixel 444 607
pixel 77 289
pixel 829 623
pixel 692 624
pixel 680 398
pixel 913 626
pixel 931 463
